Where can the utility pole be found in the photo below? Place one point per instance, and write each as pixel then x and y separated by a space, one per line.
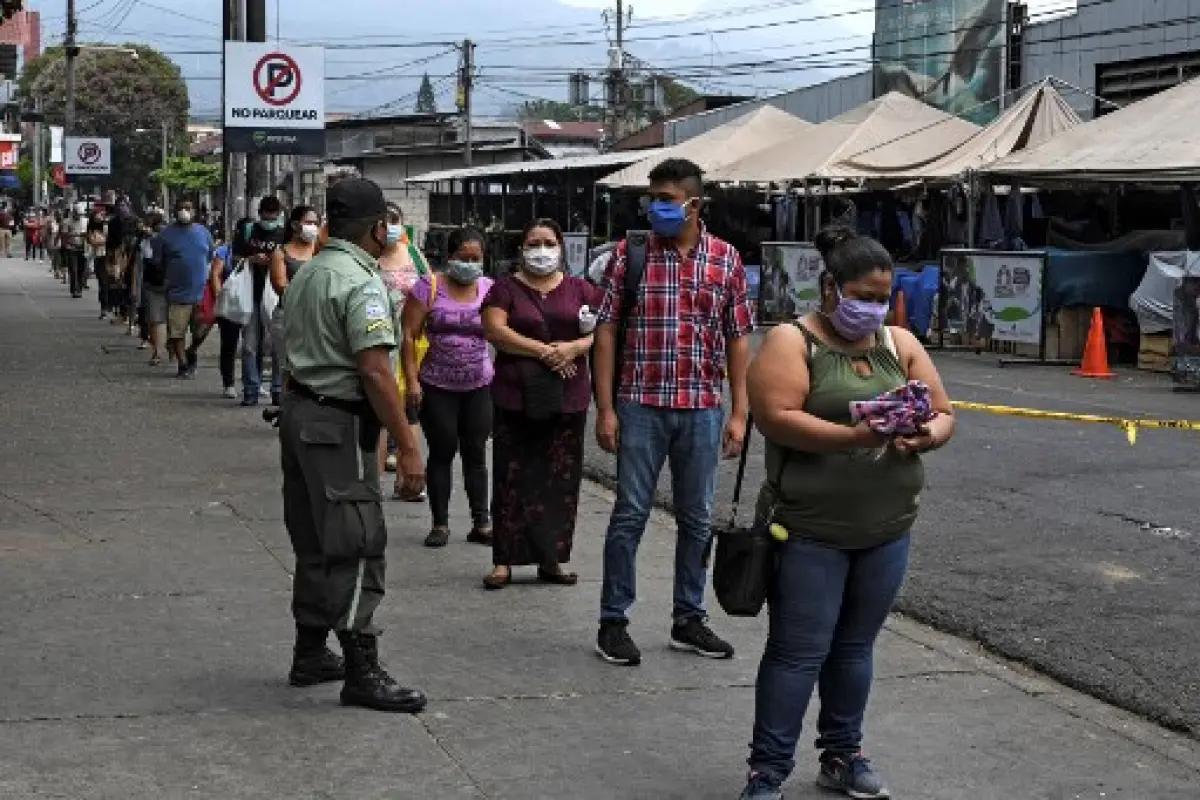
pixel 465 81
pixel 37 152
pixel 234 163
pixel 72 52
pixel 617 94
pixel 257 170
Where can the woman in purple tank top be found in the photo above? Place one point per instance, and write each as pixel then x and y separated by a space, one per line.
pixel 452 386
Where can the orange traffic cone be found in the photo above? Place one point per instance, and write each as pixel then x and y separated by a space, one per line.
pixel 1095 352
pixel 900 311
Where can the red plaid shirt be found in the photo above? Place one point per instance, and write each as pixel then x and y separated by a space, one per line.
pixel 688 309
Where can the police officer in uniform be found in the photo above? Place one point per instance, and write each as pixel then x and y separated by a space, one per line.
pixel 341 392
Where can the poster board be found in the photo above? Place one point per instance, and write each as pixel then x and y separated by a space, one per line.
pixel 576 245
pixel 790 280
pixel 994 295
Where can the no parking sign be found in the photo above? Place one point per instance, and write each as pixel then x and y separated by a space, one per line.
pixel 274 98
pixel 88 155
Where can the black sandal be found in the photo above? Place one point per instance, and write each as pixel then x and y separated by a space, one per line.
pixel 438 537
pixel 495 583
pixel 481 536
pixel 557 578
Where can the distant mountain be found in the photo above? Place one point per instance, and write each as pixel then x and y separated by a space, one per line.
pixel 524 51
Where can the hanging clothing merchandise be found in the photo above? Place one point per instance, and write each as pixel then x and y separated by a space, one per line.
pixel 991 225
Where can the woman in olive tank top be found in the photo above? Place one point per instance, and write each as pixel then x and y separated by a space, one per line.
pixel 848 498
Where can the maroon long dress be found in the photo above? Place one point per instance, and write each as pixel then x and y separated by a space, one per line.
pixel 537 464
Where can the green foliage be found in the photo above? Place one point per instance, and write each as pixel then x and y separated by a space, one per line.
pixel 560 112
pixel 116 96
pixel 426 98
pixel 188 174
pixel 25 174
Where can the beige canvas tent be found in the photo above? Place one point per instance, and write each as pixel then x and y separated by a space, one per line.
pixel 914 133
pixel 1156 140
pixel 1037 117
pixel 760 128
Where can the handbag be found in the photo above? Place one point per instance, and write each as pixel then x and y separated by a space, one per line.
pixel 542 389
pixel 236 301
pixel 206 311
pixel 745 563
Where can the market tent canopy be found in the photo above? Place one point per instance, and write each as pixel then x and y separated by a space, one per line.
pixel 1156 140
pixel 760 128
pixel 610 160
pixel 913 132
pixel 1038 117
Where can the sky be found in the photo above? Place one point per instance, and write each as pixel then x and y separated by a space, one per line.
pixel 376 53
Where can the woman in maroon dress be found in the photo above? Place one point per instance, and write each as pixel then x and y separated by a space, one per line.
pixel 540 320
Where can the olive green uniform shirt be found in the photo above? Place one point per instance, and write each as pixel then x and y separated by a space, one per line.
pixel 337 306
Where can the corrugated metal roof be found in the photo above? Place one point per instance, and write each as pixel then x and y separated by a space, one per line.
pixel 614 160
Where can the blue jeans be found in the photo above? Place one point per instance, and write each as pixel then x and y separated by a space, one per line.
pixel 827 608
pixel 691 439
pixel 256 344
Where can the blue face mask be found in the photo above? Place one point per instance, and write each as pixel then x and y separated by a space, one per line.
pixel 270 224
pixel 667 219
pixel 393 235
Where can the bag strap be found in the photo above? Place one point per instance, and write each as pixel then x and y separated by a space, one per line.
pixel 741 471
pixel 637 254
pixel 432 292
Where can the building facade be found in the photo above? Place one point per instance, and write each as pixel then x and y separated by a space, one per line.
pixel 1115 52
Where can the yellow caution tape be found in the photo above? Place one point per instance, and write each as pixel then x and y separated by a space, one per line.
pixel 1130 426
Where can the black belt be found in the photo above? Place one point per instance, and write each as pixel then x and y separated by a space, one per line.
pixel 356 407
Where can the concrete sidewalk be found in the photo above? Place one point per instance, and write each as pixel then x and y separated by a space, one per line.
pixel 144 574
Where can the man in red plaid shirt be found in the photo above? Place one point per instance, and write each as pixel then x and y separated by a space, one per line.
pixel 689 330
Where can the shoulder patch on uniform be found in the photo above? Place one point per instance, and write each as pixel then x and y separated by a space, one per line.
pixel 372 291
pixel 376 311
pixel 379 325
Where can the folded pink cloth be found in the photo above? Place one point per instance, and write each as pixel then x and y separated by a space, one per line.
pixel 900 412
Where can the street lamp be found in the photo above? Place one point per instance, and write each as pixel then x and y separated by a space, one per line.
pixel 166 152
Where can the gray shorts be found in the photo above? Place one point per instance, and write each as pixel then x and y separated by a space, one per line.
pixel 156 306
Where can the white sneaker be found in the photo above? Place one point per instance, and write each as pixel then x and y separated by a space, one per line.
pixel 389 463
pixel 264 393
pixel 230 393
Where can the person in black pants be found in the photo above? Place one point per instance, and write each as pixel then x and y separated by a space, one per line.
pixel 457 423
pixel 231 332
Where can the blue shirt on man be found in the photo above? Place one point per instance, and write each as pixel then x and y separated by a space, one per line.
pixel 187 252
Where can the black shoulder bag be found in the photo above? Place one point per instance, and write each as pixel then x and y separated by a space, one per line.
pixel 744 564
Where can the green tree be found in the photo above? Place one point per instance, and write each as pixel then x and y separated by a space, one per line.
pixel 426 99
pixel 559 112
pixel 188 174
pixel 124 98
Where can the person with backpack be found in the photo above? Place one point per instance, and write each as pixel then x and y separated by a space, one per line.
pixel 846 496
pixel 680 301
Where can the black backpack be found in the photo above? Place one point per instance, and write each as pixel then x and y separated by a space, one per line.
pixel 637 251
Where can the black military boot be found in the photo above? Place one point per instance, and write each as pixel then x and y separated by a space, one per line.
pixel 312 661
pixel 368 684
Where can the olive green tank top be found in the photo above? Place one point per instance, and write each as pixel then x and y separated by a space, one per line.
pixel 852 499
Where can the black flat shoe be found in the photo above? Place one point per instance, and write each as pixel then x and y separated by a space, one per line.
pixel 557 578
pixel 495 582
pixel 438 537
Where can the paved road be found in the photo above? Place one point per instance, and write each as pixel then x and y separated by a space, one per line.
pixel 144 581
pixel 1058 544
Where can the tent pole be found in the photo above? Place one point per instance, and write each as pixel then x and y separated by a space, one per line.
pixel 592 226
pixel 807 214
pixel 972 187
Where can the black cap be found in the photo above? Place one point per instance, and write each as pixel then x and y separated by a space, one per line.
pixel 355 198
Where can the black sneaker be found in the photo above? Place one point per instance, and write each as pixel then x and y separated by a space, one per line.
pixel 693 636
pixel 438 537
pixel 851 774
pixel 615 645
pixel 761 787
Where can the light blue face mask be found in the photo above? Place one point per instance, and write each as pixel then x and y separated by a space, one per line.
pixel 394 233
pixel 270 224
pixel 464 272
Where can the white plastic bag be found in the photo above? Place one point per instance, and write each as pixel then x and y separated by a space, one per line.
pixel 270 300
pixel 236 301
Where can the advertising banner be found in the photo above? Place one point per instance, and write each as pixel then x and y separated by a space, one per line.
pixel 88 155
pixel 947 53
pixel 790 281
pixel 577 252
pixel 992 295
pixel 274 98
pixel 10 150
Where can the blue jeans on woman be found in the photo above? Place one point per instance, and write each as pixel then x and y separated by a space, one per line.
pixel 827 609
pixel 691 440
pixel 257 346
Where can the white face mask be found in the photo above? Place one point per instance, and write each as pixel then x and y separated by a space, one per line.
pixel 542 261
pixel 309 232
pixel 183 216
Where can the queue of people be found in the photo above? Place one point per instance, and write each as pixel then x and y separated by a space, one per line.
pixel 374 351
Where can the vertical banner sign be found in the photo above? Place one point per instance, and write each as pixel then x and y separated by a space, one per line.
pixel 10 150
pixel 577 252
pixel 274 99
pixel 56 144
pixel 947 53
pixel 87 155
pixel 996 296
pixel 790 282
